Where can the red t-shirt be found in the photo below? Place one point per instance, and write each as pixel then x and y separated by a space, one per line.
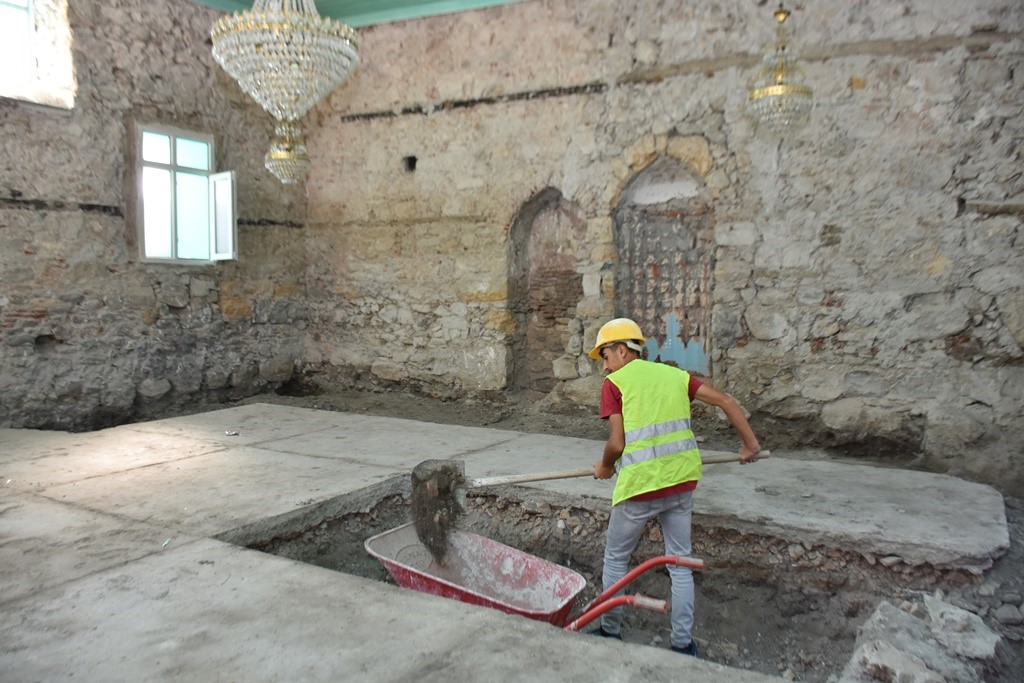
pixel 611 404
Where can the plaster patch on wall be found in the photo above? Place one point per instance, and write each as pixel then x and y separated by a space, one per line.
pixel 689 355
pixel 659 193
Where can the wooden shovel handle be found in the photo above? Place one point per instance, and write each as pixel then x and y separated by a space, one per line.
pixel 521 478
pixel 589 472
pixel 731 457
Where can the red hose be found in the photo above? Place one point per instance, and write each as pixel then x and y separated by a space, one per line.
pixel 634 600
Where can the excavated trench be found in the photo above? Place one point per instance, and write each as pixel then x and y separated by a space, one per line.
pixel 763 604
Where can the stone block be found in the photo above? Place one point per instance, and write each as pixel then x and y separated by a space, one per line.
pixel 821 383
pixel 173 295
pixel 593 307
pixel 200 287
pixel 865 383
pixel 959 630
pixel 929 316
pixel 244 375
pixel 150 388
pixel 824 327
pixel 1000 279
pixel 500 320
pixel 217 378
pixel 1011 312
pixel 735 234
pixel 733 269
pixel 725 323
pixel 235 308
pixel 585 391
pixel 766 323
pixel 276 370
pixel 389 371
pixel 564 368
pixel 694 151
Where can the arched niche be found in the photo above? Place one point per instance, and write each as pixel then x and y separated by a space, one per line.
pixel 664 235
pixel 544 286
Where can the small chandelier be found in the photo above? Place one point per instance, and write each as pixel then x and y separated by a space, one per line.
pixel 287 57
pixel 287 158
pixel 778 101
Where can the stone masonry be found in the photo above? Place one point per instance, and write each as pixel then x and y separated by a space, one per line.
pixel 88 335
pixel 862 282
pixel 868 274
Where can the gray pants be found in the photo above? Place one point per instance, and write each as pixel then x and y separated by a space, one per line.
pixel 624 529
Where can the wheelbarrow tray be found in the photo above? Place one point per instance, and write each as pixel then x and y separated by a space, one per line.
pixel 480 571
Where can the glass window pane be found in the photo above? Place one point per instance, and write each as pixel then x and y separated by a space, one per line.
pixel 156 148
pixel 192 201
pixel 156 212
pixel 15 44
pixel 224 220
pixel 192 154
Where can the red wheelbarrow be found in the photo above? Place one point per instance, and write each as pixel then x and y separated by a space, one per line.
pixel 481 571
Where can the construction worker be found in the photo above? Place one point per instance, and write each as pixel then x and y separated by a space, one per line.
pixel 647 406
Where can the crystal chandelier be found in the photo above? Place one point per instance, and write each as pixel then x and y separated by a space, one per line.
pixel 288 58
pixel 287 158
pixel 778 101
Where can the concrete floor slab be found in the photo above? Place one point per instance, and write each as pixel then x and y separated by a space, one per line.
pixel 78 457
pixel 919 517
pixel 392 442
pixel 208 494
pixel 870 510
pixel 207 611
pixel 106 605
pixel 249 424
pixel 17 445
pixel 44 543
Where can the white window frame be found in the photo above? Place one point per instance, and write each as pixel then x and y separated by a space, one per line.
pixel 51 77
pixel 223 223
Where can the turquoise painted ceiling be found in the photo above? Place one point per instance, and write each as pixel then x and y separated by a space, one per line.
pixel 357 13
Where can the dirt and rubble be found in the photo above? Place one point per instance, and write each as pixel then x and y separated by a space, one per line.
pixel 780 607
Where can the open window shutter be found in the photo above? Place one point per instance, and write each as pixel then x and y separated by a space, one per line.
pixel 223 221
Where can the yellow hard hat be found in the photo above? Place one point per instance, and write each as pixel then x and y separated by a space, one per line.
pixel 618 330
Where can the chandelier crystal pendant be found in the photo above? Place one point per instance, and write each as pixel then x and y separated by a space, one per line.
pixel 779 101
pixel 287 58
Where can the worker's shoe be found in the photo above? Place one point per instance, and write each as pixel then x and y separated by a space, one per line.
pixel 690 649
pixel 605 634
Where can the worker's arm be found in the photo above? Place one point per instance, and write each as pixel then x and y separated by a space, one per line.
pixel 732 409
pixel 605 467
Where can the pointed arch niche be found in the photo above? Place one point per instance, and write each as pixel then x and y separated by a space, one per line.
pixel 664 233
pixel 544 286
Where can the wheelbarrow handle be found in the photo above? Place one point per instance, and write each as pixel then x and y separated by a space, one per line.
pixel 641 601
pixel 691 562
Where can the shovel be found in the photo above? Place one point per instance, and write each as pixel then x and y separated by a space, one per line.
pixel 439 494
pixel 570 474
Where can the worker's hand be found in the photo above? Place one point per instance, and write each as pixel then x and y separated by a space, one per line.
pixel 602 471
pixel 749 454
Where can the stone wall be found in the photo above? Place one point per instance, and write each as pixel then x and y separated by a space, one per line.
pixel 868 274
pixel 88 335
pixel 866 283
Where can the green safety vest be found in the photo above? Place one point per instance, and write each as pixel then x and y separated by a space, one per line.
pixel 661 449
